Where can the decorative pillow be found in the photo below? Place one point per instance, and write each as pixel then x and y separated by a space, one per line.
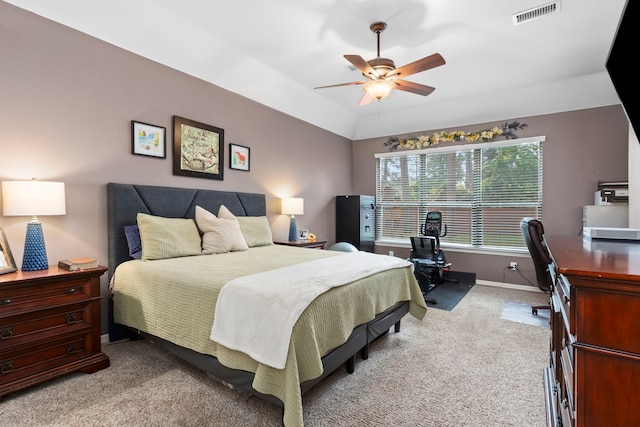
pixel 168 237
pixel 256 230
pixel 225 213
pixel 219 235
pixel 132 234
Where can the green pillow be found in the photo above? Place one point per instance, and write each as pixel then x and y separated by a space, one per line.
pixel 256 230
pixel 168 237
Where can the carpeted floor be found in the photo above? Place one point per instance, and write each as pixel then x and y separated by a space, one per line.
pixel 448 294
pixel 465 367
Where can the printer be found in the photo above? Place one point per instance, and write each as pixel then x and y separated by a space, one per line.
pixel 612 193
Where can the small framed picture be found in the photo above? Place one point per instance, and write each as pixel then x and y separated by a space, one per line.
pixel 239 157
pixel 198 149
pixel 7 264
pixel 303 234
pixel 148 140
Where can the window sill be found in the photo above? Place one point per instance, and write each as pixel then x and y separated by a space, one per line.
pixel 456 248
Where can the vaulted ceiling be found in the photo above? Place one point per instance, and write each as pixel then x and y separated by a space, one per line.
pixel 275 52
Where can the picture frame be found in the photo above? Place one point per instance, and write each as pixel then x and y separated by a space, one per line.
pixel 198 149
pixel 7 264
pixel 303 234
pixel 148 140
pixel 239 157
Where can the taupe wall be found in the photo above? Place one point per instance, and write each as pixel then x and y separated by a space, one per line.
pixel 581 148
pixel 66 105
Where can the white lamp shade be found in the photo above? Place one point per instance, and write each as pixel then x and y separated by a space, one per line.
pixel 33 198
pixel 293 206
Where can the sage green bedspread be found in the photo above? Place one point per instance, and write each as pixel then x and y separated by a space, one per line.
pixel 174 299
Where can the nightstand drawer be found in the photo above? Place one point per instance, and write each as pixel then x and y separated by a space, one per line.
pixel 36 325
pixel 49 326
pixel 43 356
pixel 18 299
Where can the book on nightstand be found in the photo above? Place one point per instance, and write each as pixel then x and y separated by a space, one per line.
pixel 74 264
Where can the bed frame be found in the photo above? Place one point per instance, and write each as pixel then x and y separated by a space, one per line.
pixel 124 201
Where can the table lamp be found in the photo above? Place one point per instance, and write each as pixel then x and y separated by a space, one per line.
pixel 33 198
pixel 293 206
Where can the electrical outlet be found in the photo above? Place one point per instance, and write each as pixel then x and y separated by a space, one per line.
pixel 513 265
pixel 390 253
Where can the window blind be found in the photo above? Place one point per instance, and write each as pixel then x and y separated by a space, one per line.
pixel 483 191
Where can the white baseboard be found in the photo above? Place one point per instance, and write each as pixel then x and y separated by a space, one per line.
pixel 508 286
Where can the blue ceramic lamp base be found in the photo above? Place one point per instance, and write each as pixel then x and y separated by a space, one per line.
pixel 293 230
pixel 35 253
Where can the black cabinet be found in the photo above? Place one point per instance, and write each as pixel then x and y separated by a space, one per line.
pixel 355 221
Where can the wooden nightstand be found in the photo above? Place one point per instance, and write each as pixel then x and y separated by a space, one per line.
pixel 318 244
pixel 49 326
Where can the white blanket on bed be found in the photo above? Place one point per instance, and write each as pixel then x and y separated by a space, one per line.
pixel 255 314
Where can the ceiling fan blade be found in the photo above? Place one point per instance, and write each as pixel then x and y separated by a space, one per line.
pixel 342 84
pixel 366 99
pixel 362 65
pixel 414 87
pixel 418 66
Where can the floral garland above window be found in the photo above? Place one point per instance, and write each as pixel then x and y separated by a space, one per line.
pixel 508 131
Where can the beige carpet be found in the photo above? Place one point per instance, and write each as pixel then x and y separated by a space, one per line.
pixel 466 367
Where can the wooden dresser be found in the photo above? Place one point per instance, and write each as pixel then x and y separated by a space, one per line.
pixel 49 326
pixel 593 378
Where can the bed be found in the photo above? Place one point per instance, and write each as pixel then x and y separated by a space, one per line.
pixel 171 300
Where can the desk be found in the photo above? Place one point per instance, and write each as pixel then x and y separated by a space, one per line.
pixel 594 370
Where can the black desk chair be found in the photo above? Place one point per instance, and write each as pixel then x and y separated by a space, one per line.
pixel 533 233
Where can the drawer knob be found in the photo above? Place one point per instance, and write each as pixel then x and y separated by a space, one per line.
pixel 5 301
pixel 73 290
pixel 6 367
pixel 71 318
pixel 71 348
pixel 6 333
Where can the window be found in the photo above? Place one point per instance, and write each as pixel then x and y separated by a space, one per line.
pixel 483 191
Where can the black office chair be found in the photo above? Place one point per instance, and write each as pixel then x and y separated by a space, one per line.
pixel 533 233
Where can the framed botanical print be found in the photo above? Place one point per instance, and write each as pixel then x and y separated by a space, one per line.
pixel 239 157
pixel 198 149
pixel 7 264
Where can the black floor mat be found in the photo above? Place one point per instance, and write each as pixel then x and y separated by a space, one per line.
pixel 448 294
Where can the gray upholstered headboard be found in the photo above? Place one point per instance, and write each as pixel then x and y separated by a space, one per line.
pixel 124 201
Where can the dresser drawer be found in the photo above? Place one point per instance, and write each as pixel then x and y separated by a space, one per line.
pixel 563 291
pixel 567 377
pixel 618 308
pixel 41 324
pixel 49 326
pixel 44 355
pixel 15 299
pixel 566 416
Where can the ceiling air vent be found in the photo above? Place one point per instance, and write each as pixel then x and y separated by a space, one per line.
pixel 536 12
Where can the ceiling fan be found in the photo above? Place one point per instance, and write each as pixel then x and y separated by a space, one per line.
pixel 383 76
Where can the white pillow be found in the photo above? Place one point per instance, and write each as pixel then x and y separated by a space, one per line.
pixel 219 235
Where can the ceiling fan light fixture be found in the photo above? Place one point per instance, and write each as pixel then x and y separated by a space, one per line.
pixel 379 89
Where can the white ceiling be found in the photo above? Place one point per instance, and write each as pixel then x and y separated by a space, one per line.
pixel 275 52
